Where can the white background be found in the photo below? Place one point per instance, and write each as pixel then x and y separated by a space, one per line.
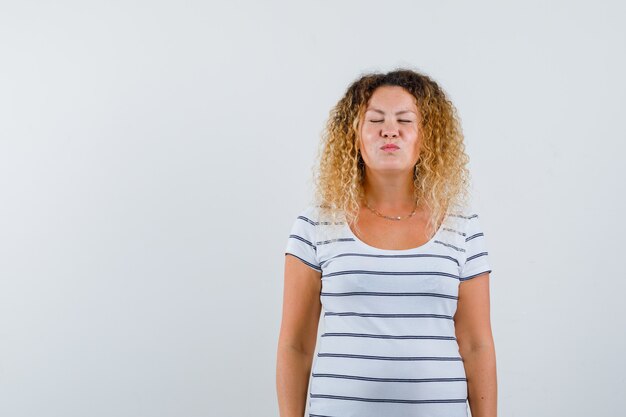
pixel 153 156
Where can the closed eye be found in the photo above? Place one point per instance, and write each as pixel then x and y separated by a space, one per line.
pixel 403 121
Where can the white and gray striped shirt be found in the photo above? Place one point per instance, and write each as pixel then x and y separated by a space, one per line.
pixel 389 347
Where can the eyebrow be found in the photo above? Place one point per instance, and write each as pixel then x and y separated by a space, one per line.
pixel 399 112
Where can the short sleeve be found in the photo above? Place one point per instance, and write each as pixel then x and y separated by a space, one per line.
pixel 301 242
pixel 476 255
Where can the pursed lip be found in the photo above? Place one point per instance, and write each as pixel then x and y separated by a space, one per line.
pixel 390 146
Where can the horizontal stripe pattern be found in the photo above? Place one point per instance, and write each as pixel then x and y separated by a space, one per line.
pixel 387 400
pixel 386 294
pixel 388 345
pixel 389 358
pixel 409 380
pixel 351 313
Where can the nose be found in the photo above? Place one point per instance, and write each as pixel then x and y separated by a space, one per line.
pixel 390 133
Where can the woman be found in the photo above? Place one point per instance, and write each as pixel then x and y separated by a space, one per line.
pixel 396 257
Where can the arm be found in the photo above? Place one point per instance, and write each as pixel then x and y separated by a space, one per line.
pixel 298 334
pixel 476 346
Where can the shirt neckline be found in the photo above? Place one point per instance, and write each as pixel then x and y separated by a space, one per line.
pixel 392 251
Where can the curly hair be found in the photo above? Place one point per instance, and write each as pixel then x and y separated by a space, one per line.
pixel 441 176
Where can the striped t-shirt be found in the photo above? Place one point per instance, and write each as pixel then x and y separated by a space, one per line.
pixel 389 347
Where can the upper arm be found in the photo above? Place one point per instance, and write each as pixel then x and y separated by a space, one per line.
pixel 472 318
pixel 302 285
pixel 301 305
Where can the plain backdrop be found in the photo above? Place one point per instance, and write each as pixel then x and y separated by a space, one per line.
pixel 154 154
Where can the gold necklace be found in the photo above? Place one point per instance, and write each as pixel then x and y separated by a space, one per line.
pixel 391 217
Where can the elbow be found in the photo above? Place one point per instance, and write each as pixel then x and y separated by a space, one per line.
pixel 477 345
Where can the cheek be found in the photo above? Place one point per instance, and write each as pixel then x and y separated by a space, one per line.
pixel 366 148
pixel 368 138
pixel 417 150
pixel 368 131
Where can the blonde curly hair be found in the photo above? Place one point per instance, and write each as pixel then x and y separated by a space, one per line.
pixel 441 176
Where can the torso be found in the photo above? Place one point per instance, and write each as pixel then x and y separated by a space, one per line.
pixel 388 317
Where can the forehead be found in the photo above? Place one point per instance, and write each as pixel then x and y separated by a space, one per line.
pixel 392 99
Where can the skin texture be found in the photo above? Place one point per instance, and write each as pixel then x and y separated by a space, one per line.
pixel 388 183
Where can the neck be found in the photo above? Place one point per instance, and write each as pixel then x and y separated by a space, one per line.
pixel 389 193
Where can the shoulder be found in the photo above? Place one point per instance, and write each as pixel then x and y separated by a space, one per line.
pixel 467 221
pixel 322 223
pixel 476 260
pixel 464 215
pixel 458 217
pixel 306 222
pixel 309 214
